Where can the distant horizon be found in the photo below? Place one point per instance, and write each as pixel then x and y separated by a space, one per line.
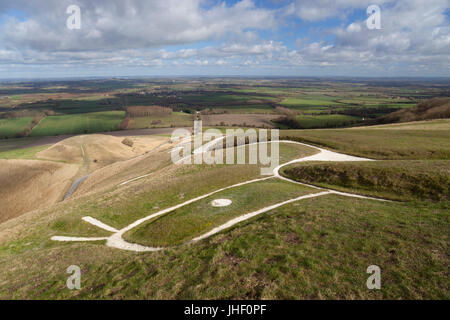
pixel 131 77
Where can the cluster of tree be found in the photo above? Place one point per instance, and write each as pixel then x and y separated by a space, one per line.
pixel 288 122
pixel 26 113
pixel 34 122
pixel 288 118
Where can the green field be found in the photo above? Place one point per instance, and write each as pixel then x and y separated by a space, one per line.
pixel 258 108
pixel 217 97
pixel 87 105
pixel 10 127
pixel 16 143
pixel 79 123
pixel 301 103
pixel 324 121
pixel 26 153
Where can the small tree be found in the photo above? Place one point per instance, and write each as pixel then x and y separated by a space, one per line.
pixel 128 142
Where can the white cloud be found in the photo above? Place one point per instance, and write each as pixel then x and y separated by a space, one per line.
pixel 202 33
pixel 316 10
pixel 118 24
pixel 412 32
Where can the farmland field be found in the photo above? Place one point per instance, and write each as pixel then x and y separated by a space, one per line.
pixel 176 119
pixel 298 103
pixel 10 127
pixel 317 104
pixel 320 121
pixel 244 120
pixel 79 123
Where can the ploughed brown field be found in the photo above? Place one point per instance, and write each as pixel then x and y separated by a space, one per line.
pixel 244 120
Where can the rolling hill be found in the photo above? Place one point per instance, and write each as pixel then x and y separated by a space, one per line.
pixel 436 108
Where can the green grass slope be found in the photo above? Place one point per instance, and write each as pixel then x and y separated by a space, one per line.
pixel 420 140
pixel 398 180
pixel 315 249
pixel 200 217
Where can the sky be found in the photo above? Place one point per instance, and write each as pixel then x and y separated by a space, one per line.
pixel 224 38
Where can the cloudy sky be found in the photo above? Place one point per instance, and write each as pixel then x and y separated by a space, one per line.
pixel 236 37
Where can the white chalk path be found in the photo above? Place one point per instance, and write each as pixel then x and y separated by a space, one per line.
pixel 116 239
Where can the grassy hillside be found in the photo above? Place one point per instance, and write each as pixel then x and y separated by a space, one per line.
pixel 316 249
pixel 437 108
pixel 422 140
pixel 397 180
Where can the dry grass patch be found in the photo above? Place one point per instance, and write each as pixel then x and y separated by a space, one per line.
pixel 97 150
pixel 29 185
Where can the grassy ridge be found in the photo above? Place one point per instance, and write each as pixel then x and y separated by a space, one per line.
pixel 397 180
pixel 437 108
pixel 428 140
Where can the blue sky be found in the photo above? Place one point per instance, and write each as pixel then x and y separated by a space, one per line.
pixel 239 37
